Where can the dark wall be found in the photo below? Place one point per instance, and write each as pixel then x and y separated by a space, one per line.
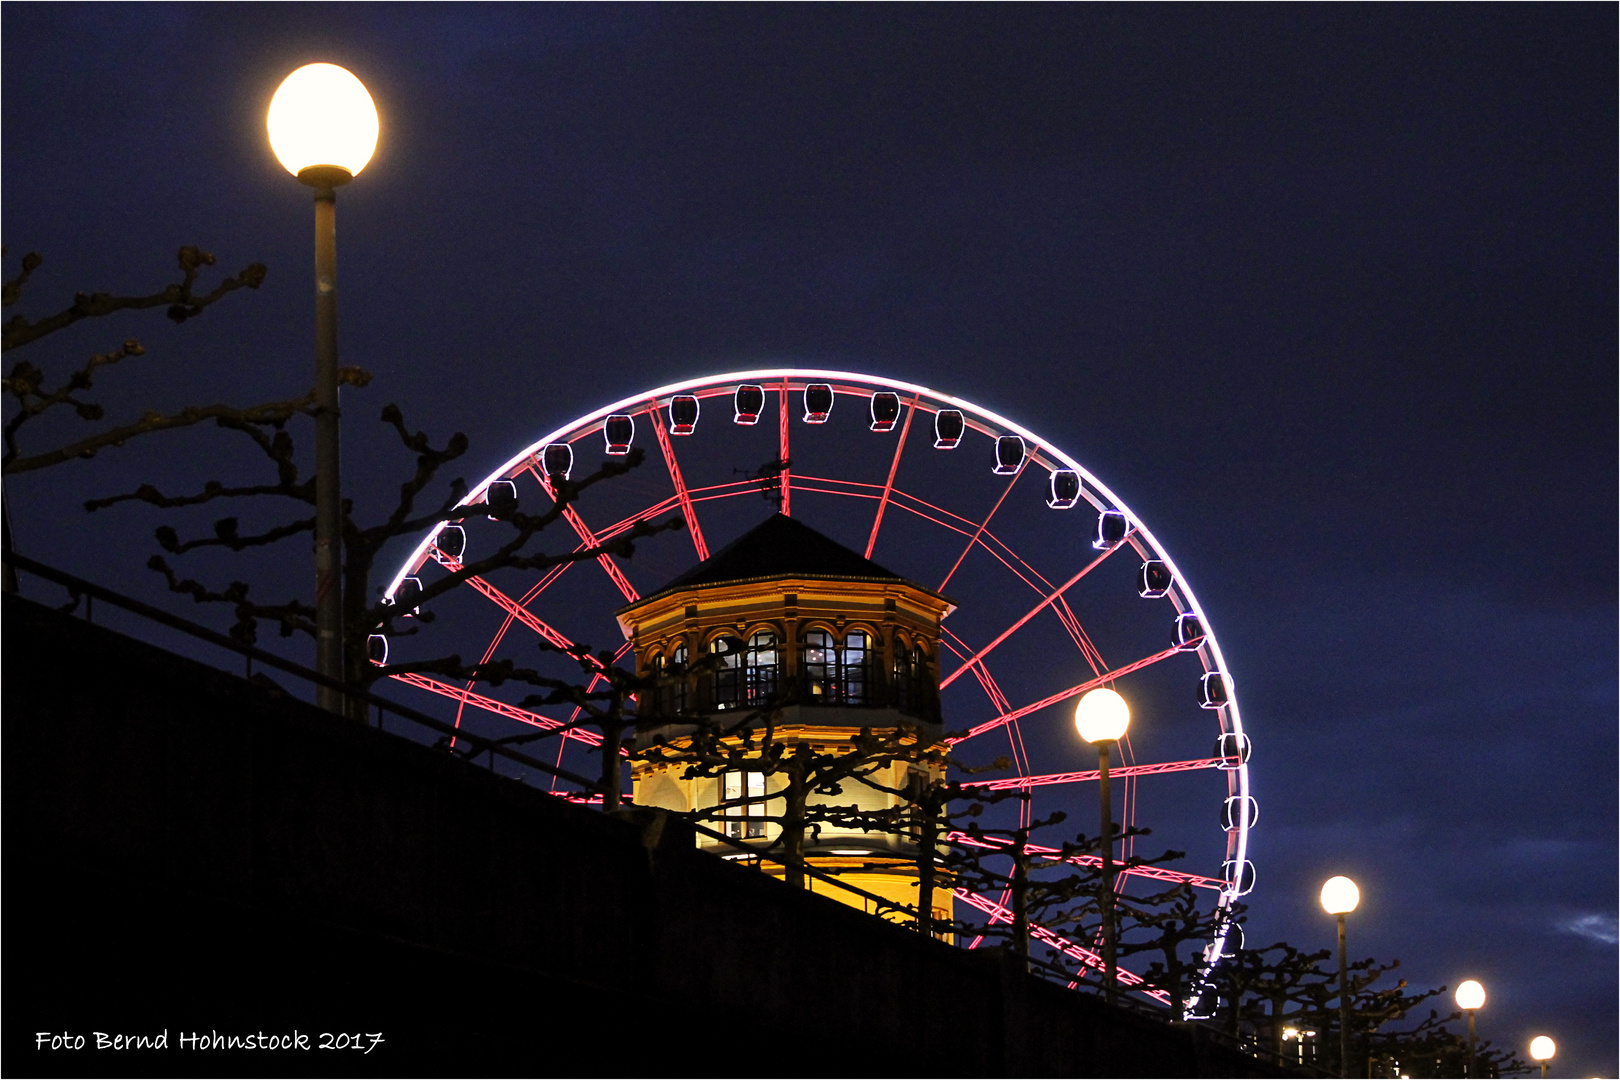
pixel 187 851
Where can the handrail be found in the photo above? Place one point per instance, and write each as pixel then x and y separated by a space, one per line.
pixel 77 586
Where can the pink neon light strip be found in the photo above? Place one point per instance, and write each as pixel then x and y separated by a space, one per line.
pixel 1037 609
pixel 512 607
pixel 596 677
pixel 1152 873
pixel 499 708
pixel 883 503
pixel 1010 485
pixel 999 914
pixel 1022 782
pixel 1064 695
pixel 680 484
pixel 782 453
pixel 590 540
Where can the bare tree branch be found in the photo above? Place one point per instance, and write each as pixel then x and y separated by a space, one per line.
pixel 182 301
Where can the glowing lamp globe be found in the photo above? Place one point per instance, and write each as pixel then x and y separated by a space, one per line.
pixel 1470 995
pixel 1101 716
pixel 322 119
pixel 1340 896
pixel 1542 1048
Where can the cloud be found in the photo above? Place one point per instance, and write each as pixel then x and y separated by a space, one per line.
pixel 1595 927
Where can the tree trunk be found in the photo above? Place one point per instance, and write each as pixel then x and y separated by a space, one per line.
pixel 10 574
pixel 356 647
pixel 1020 896
pixel 926 840
pixel 1173 973
pixel 793 820
pixel 612 775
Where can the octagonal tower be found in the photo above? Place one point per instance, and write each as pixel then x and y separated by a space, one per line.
pixel 832 643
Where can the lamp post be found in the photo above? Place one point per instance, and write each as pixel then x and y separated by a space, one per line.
pixel 1340 897
pixel 1101 717
pixel 1470 998
pixel 1542 1050
pixel 323 129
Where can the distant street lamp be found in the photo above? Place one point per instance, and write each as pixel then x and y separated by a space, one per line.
pixel 1542 1049
pixel 1470 997
pixel 323 128
pixel 1340 897
pixel 1101 717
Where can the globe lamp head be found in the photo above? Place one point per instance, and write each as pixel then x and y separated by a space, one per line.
pixel 1470 995
pixel 1101 716
pixel 1340 896
pixel 322 124
pixel 1542 1048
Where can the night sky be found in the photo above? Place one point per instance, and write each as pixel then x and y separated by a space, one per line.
pixel 1326 293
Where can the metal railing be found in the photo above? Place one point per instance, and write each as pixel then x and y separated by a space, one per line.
pixel 78 588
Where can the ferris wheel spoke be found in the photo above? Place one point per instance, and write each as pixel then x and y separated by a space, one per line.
pixel 1064 695
pixel 784 478
pixel 987 682
pixel 1150 873
pixel 1000 914
pixel 513 609
pixel 985 523
pixel 1078 634
pixel 499 708
pixel 979 656
pixel 590 540
pixel 883 503
pixel 1087 775
pixel 645 514
pixel 687 510
pixel 596 677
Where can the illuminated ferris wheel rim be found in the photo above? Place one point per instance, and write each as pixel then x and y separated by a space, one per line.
pixel 989 423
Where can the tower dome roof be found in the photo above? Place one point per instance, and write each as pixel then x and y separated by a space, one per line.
pixel 780 546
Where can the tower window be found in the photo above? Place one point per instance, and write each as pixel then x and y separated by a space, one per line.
pixel 837 672
pixel 742 795
pixel 747 674
pixel 672 681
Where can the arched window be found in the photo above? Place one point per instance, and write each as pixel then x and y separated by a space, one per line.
pixel 760 666
pixel 672 694
pixel 728 676
pixel 837 672
pixel 904 687
pixel 818 666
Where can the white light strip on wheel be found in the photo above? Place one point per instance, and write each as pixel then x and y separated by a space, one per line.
pixel 1237 853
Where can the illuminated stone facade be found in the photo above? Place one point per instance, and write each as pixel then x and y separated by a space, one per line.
pixel 831 643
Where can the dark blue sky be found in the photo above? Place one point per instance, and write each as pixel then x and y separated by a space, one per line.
pixel 1326 293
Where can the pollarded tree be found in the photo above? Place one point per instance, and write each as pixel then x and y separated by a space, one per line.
pixel 810 770
pixel 1288 982
pixel 1173 925
pixel 368 617
pixel 31 398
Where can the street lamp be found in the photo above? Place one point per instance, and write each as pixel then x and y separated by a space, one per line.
pixel 1101 717
pixel 1543 1049
pixel 1470 997
pixel 323 128
pixel 1340 897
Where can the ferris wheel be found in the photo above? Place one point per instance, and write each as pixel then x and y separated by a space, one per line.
pixel 1059 587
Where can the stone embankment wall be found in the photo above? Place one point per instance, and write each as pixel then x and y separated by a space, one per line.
pixel 189 852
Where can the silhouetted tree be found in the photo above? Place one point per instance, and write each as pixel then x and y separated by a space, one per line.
pixel 364 616
pixel 708 745
pixel 1166 923
pixel 25 382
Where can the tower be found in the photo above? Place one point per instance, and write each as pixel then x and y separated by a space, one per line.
pixel 788 622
